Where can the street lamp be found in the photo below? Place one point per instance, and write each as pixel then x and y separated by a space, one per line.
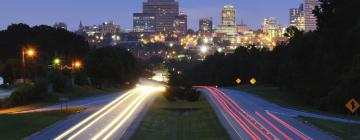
pixel 77 64
pixel 27 52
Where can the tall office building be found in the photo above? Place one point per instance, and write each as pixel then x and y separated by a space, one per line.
pixel 180 24
pixel 228 21
pixel 303 17
pixel 205 25
pixel 228 16
pixel 310 19
pixel 165 12
pixel 144 23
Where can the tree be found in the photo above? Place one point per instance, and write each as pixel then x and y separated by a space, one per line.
pixel 112 66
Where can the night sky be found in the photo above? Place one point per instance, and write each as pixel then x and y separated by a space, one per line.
pixel 92 12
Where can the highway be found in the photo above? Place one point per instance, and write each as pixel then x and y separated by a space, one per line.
pixel 250 118
pixel 109 121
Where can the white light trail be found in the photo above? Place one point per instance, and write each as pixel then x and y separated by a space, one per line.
pixel 94 115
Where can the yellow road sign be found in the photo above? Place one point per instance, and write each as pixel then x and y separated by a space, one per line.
pixel 253 81
pixel 238 81
pixel 352 105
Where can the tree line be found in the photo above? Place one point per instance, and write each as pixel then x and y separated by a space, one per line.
pixel 53 64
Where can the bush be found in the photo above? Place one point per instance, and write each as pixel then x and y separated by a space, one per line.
pixel 193 95
pixel 29 93
pixel 185 94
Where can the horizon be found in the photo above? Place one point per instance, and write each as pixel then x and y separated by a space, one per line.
pixel 91 12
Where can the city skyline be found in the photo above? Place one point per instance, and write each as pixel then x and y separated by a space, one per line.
pixel 91 12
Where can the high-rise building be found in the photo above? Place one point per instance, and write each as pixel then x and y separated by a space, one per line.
pixel 297 17
pixel 144 23
pixel 205 25
pixel 272 28
pixel 310 19
pixel 228 21
pixel 303 17
pixel 228 16
pixel 165 12
pixel 180 24
pixel 60 25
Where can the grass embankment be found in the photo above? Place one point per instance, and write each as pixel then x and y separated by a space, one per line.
pixel 286 99
pixel 19 126
pixel 78 92
pixel 345 131
pixel 180 121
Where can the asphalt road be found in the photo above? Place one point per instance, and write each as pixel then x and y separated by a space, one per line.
pixel 248 117
pixel 105 118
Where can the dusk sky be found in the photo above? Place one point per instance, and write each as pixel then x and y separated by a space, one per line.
pixel 91 12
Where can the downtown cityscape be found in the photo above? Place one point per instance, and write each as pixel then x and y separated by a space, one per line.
pixel 180 70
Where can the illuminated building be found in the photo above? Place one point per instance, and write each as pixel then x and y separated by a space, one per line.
pixel 109 28
pixel 228 22
pixel 205 25
pixel 144 23
pixel 297 17
pixel 165 12
pixel 228 16
pixel 180 25
pixel 242 28
pixel 272 28
pixel 302 17
pixel 60 25
pixel 310 19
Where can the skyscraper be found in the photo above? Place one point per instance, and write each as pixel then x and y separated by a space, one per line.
pixel 165 12
pixel 205 25
pixel 303 17
pixel 310 19
pixel 144 23
pixel 180 24
pixel 228 21
pixel 228 16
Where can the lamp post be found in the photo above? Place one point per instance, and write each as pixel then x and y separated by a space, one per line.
pixel 75 65
pixel 26 52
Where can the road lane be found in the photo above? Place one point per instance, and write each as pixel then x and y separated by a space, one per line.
pixel 112 121
pixel 108 121
pixel 255 121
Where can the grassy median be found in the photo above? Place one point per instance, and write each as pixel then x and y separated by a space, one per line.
pixel 19 126
pixel 344 131
pixel 180 121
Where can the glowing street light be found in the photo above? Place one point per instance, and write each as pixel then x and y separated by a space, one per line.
pixel 26 52
pixel 77 64
pixel 204 49
pixel 57 61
